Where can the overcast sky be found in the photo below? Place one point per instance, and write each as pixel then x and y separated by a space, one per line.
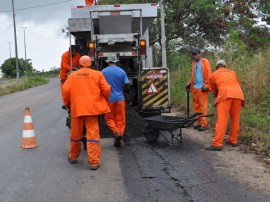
pixel 45 42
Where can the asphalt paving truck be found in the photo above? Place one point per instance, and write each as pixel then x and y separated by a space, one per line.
pixel 123 30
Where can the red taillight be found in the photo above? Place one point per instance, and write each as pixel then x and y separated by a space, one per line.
pixel 92 49
pixel 115 13
pixel 142 47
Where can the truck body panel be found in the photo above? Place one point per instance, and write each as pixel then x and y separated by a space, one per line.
pixel 119 30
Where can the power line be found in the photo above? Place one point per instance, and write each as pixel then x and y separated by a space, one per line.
pixel 19 9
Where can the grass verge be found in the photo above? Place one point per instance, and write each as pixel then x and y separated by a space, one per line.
pixel 254 76
pixel 13 87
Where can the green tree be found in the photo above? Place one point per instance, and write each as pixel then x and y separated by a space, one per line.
pixel 208 24
pixel 8 68
pixel 251 19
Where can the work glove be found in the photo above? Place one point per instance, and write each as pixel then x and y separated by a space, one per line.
pixel 188 87
pixel 204 89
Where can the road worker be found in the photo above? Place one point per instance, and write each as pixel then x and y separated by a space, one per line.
pixel 86 92
pixel 118 80
pixel 65 63
pixel 199 86
pixel 89 2
pixel 229 99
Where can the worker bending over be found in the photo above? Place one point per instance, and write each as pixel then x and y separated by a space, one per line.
pixel 229 99
pixel 86 92
pixel 118 80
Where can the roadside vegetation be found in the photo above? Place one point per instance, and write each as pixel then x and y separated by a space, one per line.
pixel 226 30
pixel 11 86
pixel 254 75
pixel 222 29
pixel 29 77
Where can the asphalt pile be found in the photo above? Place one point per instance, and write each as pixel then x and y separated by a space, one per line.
pixel 134 125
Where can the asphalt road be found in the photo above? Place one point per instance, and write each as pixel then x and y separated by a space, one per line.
pixel 136 172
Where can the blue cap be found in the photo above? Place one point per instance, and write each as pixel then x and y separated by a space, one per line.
pixel 196 50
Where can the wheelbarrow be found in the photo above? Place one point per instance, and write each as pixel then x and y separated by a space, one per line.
pixel 171 124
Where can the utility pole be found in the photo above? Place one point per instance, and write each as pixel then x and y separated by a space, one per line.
pixel 25 51
pixel 163 37
pixel 9 49
pixel 16 49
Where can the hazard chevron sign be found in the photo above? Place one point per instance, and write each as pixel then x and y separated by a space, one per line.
pixel 152 89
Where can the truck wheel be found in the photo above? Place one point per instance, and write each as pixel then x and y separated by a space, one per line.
pixel 151 134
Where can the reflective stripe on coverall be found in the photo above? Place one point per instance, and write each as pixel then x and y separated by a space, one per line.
pixel 86 91
pixel 199 98
pixel 116 120
pixel 229 99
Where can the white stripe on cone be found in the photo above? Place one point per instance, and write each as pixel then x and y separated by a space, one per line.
pixel 27 119
pixel 28 133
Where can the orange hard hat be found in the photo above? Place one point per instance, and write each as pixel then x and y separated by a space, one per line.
pixel 85 61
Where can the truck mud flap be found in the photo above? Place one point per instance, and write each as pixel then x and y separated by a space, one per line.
pixel 154 89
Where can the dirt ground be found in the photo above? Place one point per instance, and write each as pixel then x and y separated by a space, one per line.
pixel 239 163
pixel 4 84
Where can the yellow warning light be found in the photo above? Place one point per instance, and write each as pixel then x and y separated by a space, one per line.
pixel 91 45
pixel 142 42
pixel 142 47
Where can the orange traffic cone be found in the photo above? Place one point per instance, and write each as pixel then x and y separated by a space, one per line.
pixel 28 136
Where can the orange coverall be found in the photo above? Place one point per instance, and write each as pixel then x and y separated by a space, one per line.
pixel 86 91
pixel 229 99
pixel 199 98
pixel 65 65
pixel 116 120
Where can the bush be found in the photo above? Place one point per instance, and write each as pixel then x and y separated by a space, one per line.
pixel 254 76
